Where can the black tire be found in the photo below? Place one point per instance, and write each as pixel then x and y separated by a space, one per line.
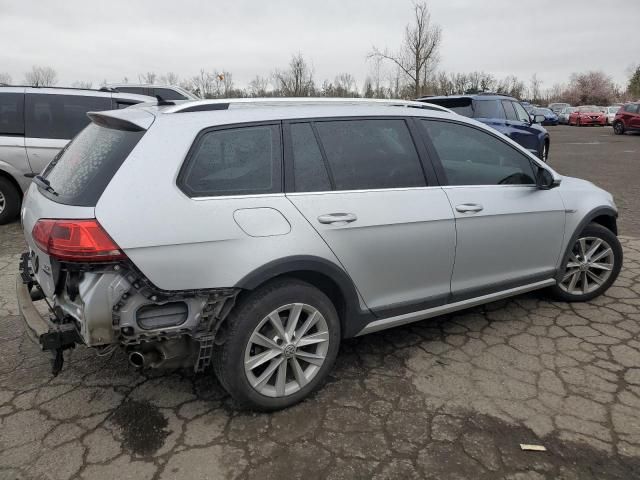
pixel 228 358
pixel 544 154
pixel 11 199
pixel 618 128
pixel 597 231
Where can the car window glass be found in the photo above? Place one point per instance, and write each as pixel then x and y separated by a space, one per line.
pixel 633 108
pixel 470 156
pixel 168 94
pixel 488 109
pixel 365 154
pixel 521 113
pixel 462 106
pixel 236 161
pixel 136 90
pixel 83 169
pixel 60 116
pixel 11 113
pixel 309 171
pixel 508 110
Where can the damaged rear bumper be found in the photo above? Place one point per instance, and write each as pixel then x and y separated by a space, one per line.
pixel 45 333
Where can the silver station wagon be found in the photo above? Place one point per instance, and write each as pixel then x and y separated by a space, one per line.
pixel 252 236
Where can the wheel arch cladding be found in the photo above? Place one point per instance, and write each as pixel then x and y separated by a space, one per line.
pixel 326 276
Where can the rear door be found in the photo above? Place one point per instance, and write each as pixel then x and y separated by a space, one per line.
pixel 51 120
pixel 360 183
pixel 509 233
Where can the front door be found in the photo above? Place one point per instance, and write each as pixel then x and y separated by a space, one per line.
pixel 509 233
pixel 361 185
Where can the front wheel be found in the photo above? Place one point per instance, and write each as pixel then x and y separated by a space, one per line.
pixel 618 128
pixel 591 265
pixel 280 344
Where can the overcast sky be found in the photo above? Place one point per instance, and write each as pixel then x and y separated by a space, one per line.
pixel 110 40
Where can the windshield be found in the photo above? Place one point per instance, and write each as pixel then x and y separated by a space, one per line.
pixel 614 109
pixel 82 171
pixel 542 111
pixel 588 109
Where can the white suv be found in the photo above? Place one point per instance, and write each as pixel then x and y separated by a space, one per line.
pixel 35 123
pixel 255 235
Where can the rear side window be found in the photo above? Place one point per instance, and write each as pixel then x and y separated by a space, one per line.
pixel 462 106
pixel 488 109
pixel 136 90
pixel 11 114
pixel 60 116
pixel 470 156
pixel 309 171
pixel 82 171
pixel 168 94
pixel 235 161
pixel 365 154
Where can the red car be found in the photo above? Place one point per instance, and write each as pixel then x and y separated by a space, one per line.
pixel 588 115
pixel 627 119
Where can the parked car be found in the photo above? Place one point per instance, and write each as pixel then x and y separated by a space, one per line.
pixel 550 118
pixel 627 119
pixel 35 123
pixel 319 228
pixel 610 113
pixel 503 113
pixel 587 115
pixel 166 92
pixel 558 107
pixel 563 118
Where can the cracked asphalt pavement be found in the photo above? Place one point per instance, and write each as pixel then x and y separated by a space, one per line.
pixel 452 397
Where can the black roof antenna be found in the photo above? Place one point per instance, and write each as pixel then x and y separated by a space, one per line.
pixel 162 101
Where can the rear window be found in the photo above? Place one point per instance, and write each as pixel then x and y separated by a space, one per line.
pixel 82 171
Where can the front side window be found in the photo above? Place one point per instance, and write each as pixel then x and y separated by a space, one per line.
pixel 521 113
pixel 368 154
pixel 632 108
pixel 11 113
pixel 235 161
pixel 471 156
pixel 508 110
pixel 60 116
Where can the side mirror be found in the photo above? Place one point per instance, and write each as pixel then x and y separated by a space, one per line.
pixel 545 180
pixel 538 118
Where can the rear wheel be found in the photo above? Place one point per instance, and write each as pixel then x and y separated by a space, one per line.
pixel 618 127
pixel 9 201
pixel 591 266
pixel 281 343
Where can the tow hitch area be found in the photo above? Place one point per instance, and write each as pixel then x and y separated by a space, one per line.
pixel 53 334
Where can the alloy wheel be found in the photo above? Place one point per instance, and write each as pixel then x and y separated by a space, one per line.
pixel 3 202
pixel 286 350
pixel 590 264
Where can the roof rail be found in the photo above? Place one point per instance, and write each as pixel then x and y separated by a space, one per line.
pixel 101 89
pixel 227 103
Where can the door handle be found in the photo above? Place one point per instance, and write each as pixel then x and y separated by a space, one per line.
pixel 469 207
pixel 335 218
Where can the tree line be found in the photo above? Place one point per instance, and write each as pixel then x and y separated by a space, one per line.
pixel 408 72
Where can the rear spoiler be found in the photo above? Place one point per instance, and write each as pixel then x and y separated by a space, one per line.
pixel 130 120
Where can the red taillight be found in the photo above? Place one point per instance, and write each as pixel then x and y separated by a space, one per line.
pixel 75 240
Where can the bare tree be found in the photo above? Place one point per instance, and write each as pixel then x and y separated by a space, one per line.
pixel 149 77
pixel 41 77
pixel 203 84
pixel 259 86
pixel 169 78
pixel 345 85
pixel 297 81
pixel 223 84
pixel 82 84
pixel 5 78
pixel 591 88
pixel 419 50
pixel 534 89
